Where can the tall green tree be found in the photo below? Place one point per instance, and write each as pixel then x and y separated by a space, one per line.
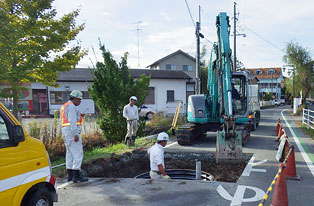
pixel 35 45
pixel 111 89
pixel 303 63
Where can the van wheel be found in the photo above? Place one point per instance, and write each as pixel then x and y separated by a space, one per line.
pixel 254 125
pixel 41 198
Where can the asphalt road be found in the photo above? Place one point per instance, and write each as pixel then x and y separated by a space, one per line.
pixel 249 189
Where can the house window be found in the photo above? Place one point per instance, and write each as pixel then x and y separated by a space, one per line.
pixel 171 67
pixel 150 99
pixel 271 71
pixel 170 95
pixel 258 72
pixel 59 97
pixel 187 68
pixel 86 95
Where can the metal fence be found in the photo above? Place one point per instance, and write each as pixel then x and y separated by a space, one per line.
pixel 308 118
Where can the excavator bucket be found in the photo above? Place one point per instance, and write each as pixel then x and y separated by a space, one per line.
pixel 229 147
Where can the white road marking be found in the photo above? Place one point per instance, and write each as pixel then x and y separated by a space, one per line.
pixel 238 197
pixel 301 149
pixel 249 167
pixel 171 144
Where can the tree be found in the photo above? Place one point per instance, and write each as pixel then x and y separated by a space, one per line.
pixel 111 89
pixel 304 74
pixel 34 45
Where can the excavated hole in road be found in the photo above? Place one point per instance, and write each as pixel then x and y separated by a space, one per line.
pixel 132 164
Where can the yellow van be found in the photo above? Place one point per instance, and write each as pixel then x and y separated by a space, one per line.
pixel 25 170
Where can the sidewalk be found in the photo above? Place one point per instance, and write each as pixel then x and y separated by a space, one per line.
pixel 300 192
pixel 305 140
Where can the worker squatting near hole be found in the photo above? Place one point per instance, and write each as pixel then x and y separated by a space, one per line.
pixel 71 123
pixel 130 112
pixel 156 157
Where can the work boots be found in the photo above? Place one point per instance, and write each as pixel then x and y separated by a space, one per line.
pixel 70 175
pixel 77 177
pixel 133 141
pixel 127 141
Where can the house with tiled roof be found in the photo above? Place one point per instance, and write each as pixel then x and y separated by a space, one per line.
pixel 166 89
pixel 270 80
pixel 178 61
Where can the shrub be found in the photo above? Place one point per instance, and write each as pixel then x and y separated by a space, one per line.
pixel 300 109
pixel 49 132
pixel 111 89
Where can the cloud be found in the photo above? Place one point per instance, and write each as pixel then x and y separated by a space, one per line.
pixel 105 13
pixel 165 16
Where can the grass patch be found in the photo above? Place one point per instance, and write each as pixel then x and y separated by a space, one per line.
pixel 305 130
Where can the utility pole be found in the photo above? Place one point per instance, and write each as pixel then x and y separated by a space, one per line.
pixel 271 85
pixel 198 35
pixel 138 42
pixel 293 88
pixel 234 36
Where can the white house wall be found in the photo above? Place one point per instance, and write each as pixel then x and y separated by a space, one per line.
pixel 178 60
pixel 161 86
pixel 87 106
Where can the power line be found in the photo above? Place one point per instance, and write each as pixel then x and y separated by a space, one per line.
pixel 208 40
pixel 264 39
pixel 187 6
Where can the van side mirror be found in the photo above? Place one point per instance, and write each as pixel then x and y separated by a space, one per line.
pixel 18 134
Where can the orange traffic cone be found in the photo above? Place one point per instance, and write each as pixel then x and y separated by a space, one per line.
pixel 280 133
pixel 280 197
pixel 279 141
pixel 291 167
pixel 283 135
pixel 277 127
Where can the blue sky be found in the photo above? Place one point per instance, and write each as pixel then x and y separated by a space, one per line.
pixel 166 26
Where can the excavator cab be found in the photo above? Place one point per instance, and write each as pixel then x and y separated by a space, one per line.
pixel 239 84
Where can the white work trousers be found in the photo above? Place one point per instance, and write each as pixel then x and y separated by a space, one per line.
pixel 132 128
pixel 74 150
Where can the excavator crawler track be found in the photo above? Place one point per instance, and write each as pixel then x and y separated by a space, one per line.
pixel 189 133
pixel 186 134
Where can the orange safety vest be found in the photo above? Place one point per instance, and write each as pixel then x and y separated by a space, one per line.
pixel 64 120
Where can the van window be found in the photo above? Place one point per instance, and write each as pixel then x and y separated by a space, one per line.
pixel 4 134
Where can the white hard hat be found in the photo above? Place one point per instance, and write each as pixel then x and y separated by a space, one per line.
pixel 76 94
pixel 134 98
pixel 163 136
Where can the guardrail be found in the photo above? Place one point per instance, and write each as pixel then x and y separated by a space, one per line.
pixel 308 118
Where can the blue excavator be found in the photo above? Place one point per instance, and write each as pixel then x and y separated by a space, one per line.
pixel 225 108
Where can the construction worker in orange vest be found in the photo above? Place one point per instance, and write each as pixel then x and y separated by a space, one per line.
pixel 71 121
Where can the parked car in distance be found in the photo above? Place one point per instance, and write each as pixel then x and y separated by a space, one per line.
pixel 276 102
pixel 147 112
pixel 309 102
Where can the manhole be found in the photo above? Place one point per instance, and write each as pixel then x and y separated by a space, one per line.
pixel 183 174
